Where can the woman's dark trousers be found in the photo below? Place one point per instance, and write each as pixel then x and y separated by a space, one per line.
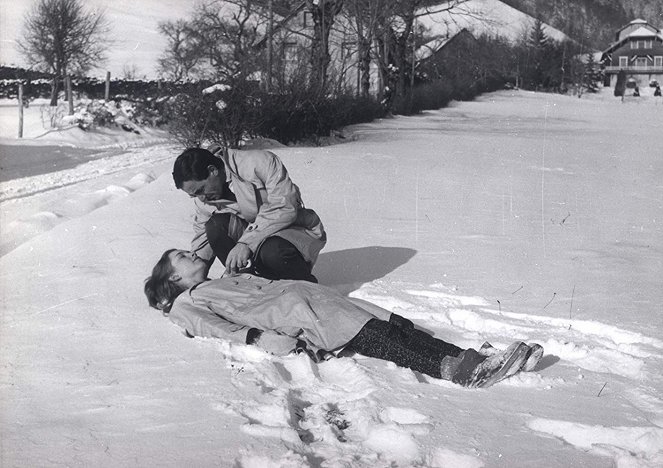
pixel 406 347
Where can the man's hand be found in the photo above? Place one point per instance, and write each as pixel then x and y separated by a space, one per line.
pixel 238 258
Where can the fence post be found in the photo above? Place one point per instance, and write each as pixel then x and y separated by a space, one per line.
pixel 270 46
pixel 69 95
pixel 20 110
pixel 107 93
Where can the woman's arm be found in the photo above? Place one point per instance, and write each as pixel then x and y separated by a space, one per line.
pixel 199 321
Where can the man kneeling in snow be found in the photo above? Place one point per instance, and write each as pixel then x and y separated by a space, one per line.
pixel 287 316
pixel 249 212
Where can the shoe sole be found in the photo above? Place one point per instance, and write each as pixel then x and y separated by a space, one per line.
pixel 512 365
pixel 535 355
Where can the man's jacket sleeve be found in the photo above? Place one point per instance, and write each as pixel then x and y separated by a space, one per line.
pixel 200 321
pixel 199 244
pixel 279 211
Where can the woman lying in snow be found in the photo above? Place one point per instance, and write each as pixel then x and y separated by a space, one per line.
pixel 288 316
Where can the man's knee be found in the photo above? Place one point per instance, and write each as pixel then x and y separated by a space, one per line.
pixel 276 251
pixel 278 258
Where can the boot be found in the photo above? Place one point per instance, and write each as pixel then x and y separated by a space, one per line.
pixel 500 365
pixel 535 355
pixel 459 369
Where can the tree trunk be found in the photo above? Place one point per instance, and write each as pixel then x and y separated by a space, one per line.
pixel 323 14
pixel 54 91
pixel 364 46
pixel 401 57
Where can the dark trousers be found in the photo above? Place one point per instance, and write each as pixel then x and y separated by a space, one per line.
pixel 406 347
pixel 275 259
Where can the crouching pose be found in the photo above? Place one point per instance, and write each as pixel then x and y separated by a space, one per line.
pixel 285 316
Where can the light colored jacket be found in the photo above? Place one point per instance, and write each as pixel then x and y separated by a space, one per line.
pixel 229 307
pixel 268 200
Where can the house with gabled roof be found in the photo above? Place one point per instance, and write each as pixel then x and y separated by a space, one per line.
pixel 638 50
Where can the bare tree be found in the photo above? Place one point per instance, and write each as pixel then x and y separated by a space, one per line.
pixel 62 38
pixel 324 13
pixel 397 38
pixel 225 32
pixel 367 15
pixel 182 55
pixel 130 71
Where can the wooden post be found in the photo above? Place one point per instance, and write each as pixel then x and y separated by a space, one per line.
pixel 107 93
pixel 270 46
pixel 69 95
pixel 20 110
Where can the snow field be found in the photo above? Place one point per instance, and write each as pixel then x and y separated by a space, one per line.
pixel 452 219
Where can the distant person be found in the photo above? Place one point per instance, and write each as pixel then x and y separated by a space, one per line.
pixel 636 92
pixel 657 91
pixel 287 316
pixel 249 214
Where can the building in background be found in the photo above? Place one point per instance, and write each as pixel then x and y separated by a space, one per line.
pixel 638 50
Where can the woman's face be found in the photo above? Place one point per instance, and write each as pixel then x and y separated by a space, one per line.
pixel 187 265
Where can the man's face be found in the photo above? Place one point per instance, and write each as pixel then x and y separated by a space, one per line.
pixel 210 189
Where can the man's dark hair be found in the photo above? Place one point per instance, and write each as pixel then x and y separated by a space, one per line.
pixel 193 164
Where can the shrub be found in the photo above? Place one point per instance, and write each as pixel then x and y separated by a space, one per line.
pixel 302 115
pixel 229 114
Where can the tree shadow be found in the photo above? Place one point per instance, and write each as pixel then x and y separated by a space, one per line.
pixel 346 270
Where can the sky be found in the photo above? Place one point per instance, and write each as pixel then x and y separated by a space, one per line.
pixel 137 43
pixel 517 216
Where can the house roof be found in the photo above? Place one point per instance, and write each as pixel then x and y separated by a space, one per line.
pixel 645 31
pixel 635 21
pixel 280 22
pixel 437 44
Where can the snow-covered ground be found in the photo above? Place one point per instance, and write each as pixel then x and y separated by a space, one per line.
pixel 518 216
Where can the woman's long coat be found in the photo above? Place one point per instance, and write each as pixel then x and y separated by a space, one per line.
pixel 228 307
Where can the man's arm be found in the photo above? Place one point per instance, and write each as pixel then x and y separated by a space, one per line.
pixel 199 243
pixel 279 211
